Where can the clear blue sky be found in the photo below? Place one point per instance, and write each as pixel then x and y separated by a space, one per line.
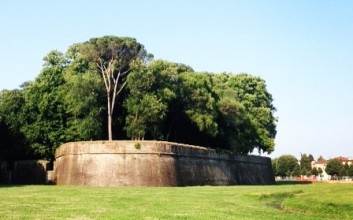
pixel 303 49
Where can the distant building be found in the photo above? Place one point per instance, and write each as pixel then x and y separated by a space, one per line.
pixel 321 163
pixel 345 160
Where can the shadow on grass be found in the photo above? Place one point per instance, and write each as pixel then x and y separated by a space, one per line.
pixel 10 185
pixel 293 182
pixel 2 185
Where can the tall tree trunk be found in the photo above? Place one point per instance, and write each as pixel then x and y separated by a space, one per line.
pixel 110 135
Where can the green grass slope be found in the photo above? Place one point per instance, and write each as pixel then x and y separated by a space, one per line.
pixel 310 201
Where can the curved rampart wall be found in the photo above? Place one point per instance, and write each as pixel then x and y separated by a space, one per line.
pixel 155 163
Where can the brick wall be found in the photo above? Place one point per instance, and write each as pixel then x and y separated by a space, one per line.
pixel 155 163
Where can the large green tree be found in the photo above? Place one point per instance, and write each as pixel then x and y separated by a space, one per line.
pixel 83 98
pixel 13 144
pixel 305 163
pixel 199 104
pixel 112 56
pixel 286 164
pixel 246 110
pixel 44 111
pixel 333 168
pixel 151 90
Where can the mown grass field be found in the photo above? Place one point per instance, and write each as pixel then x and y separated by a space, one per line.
pixel 290 201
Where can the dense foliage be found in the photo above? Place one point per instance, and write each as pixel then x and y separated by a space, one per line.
pixel 334 168
pixel 305 165
pixel 285 166
pixel 289 166
pixel 143 98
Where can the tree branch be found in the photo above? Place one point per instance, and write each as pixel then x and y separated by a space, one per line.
pixel 103 72
pixel 121 88
pixel 116 81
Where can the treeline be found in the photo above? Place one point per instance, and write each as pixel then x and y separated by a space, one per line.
pixel 143 99
pixel 288 166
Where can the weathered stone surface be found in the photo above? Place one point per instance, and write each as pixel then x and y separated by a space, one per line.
pixel 155 163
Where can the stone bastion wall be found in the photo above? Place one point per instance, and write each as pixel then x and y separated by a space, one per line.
pixel 155 163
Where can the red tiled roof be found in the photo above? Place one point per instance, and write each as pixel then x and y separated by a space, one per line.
pixel 344 159
pixel 321 162
pixel 340 158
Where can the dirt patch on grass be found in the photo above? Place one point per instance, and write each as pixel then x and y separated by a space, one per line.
pixel 275 200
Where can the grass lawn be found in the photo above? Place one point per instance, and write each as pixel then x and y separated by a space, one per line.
pixel 290 201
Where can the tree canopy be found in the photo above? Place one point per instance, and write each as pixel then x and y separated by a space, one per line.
pixel 112 57
pixel 150 99
pixel 334 167
pixel 305 164
pixel 286 165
